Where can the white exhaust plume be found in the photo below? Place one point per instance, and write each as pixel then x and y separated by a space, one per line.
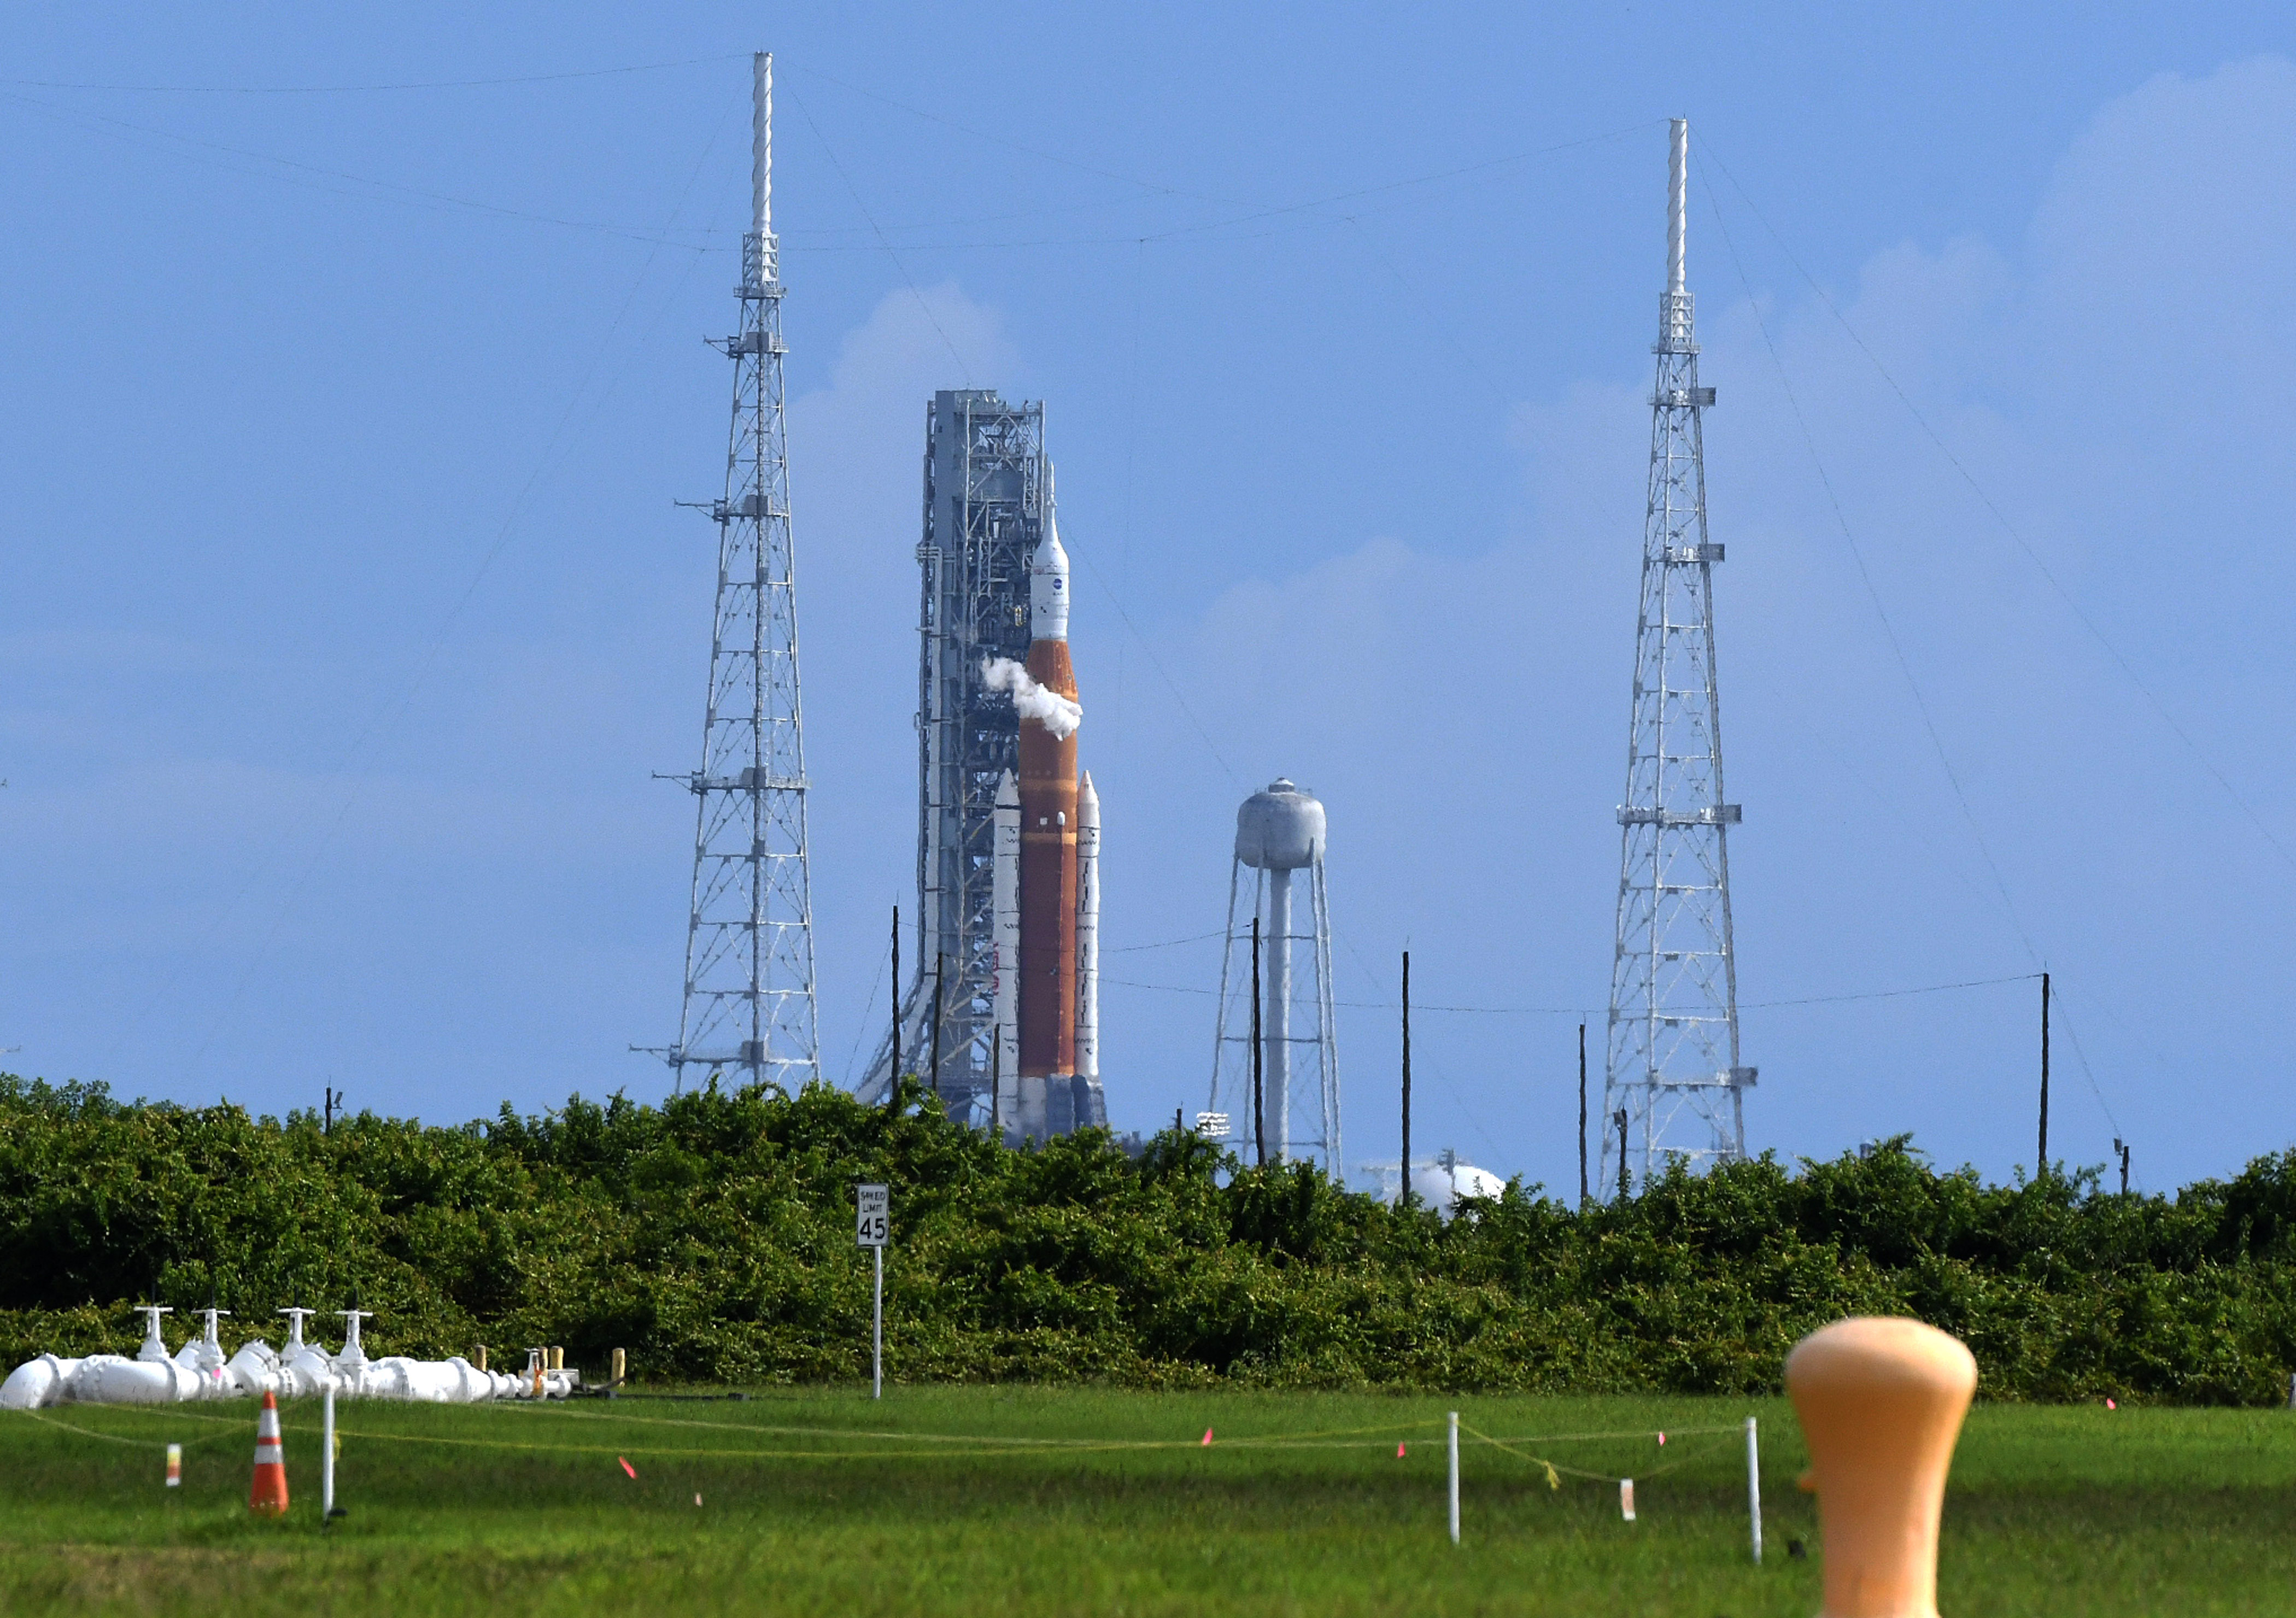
pixel 1050 708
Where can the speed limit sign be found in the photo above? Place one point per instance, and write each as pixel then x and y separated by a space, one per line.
pixel 871 1216
pixel 871 1222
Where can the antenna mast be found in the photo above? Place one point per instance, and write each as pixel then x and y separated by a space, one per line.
pixel 1673 1075
pixel 749 952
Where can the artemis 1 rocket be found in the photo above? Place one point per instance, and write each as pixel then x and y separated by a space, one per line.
pixel 1047 888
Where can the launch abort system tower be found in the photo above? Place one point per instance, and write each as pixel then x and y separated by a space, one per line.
pixel 1673 1088
pixel 749 948
pixel 984 519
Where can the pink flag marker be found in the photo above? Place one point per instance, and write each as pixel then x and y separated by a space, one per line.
pixel 2110 1406
pixel 1208 1437
pixel 632 1471
pixel 1399 1451
pixel 1661 1441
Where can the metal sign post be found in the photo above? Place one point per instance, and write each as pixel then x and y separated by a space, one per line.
pixel 327 1459
pixel 1455 1475
pixel 872 1223
pixel 1754 1486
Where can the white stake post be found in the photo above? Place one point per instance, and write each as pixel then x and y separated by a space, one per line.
pixel 872 1224
pixel 1454 1477
pixel 327 1459
pixel 1754 1487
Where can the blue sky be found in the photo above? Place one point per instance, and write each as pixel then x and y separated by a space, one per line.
pixel 347 611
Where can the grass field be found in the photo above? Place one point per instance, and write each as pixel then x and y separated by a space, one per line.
pixel 1300 1504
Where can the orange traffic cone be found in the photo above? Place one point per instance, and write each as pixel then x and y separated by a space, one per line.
pixel 270 1491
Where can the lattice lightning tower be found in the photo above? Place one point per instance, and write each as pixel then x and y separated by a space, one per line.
pixel 749 952
pixel 1673 1067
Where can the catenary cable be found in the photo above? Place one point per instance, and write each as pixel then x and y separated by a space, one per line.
pixel 392 711
pixel 1583 1011
pixel 379 191
pixel 882 240
pixel 1890 631
pixel 437 84
pixel 2007 526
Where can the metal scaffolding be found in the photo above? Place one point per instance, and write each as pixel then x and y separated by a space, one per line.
pixel 749 952
pixel 1674 1089
pixel 985 475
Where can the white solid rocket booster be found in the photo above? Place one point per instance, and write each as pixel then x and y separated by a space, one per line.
pixel 1005 885
pixel 1087 946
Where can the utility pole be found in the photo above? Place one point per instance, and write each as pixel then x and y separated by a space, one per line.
pixel 1583 1196
pixel 2121 1147
pixel 1625 1189
pixel 334 1099
pixel 893 1091
pixel 1259 1111
pixel 940 963
pixel 2044 1169
pixel 1403 1196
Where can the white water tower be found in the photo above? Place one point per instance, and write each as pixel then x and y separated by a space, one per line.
pixel 1279 832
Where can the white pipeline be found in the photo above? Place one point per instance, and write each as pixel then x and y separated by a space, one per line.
pixel 198 1371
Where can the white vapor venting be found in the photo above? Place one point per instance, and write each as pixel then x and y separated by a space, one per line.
pixel 1055 712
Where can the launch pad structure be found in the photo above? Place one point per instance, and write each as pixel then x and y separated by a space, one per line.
pixel 984 518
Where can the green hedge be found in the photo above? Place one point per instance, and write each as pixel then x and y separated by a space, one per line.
pixel 712 1238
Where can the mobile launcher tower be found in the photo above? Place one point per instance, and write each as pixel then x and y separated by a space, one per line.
pixel 1000 1017
pixel 1273 1041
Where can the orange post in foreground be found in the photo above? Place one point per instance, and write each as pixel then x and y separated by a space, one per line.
pixel 269 1493
pixel 1881 1403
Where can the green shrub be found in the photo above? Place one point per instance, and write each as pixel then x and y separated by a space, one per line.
pixel 711 1237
